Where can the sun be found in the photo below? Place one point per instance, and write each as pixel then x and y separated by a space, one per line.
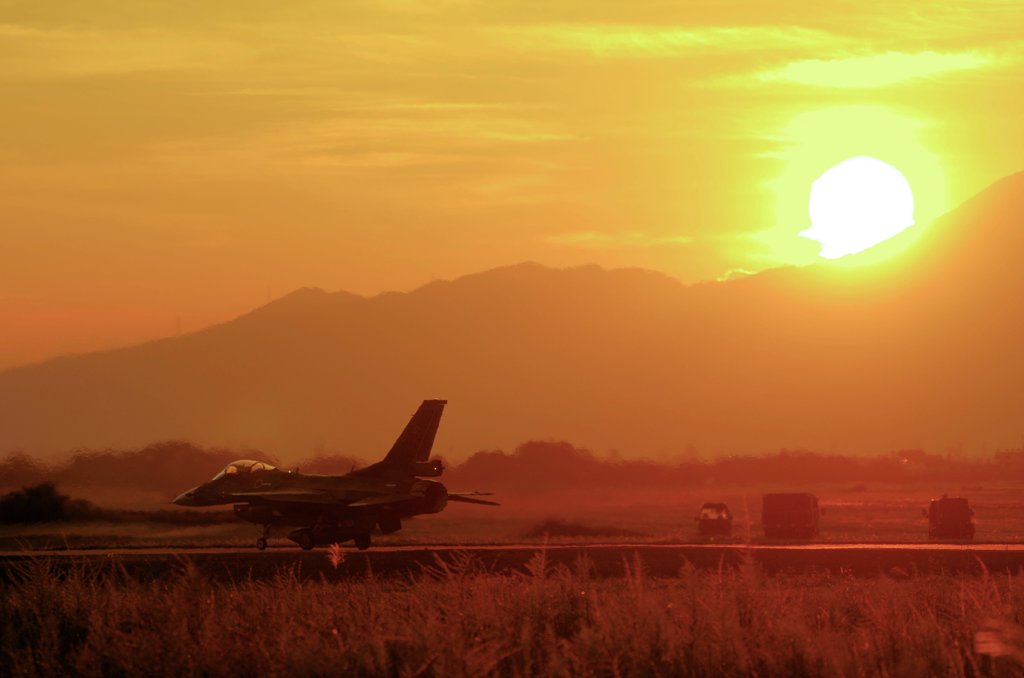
pixel 858 204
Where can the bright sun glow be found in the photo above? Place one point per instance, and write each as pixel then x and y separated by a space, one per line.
pixel 857 204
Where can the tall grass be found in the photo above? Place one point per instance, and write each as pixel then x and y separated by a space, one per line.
pixel 456 619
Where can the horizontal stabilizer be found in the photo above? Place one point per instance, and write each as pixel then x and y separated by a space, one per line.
pixel 470 498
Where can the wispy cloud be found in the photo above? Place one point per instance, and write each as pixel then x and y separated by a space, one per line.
pixel 878 70
pixel 402 139
pixel 640 41
pixel 734 273
pixel 601 241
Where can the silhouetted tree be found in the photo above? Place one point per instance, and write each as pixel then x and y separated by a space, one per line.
pixel 37 504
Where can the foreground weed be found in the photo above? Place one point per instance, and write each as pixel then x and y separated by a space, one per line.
pixel 457 618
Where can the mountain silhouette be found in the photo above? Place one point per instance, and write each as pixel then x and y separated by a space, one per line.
pixel 920 349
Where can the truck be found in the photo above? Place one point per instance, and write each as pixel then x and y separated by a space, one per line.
pixel 950 518
pixel 793 515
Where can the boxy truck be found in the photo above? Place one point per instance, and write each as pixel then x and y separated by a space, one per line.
pixel 793 515
pixel 950 518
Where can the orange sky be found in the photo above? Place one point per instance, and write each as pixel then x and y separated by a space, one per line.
pixel 173 164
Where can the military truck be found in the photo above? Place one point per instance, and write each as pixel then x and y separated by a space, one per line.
pixel 950 518
pixel 714 519
pixel 792 515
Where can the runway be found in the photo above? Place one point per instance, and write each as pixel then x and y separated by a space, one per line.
pixel 603 560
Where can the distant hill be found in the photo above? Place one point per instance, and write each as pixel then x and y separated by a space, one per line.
pixel 922 350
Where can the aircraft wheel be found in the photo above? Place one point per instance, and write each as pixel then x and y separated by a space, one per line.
pixel 305 541
pixel 362 541
pixel 261 543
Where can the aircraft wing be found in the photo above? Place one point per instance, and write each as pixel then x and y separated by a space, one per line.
pixel 471 498
pixel 292 496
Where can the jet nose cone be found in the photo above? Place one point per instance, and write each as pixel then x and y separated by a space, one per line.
pixel 187 498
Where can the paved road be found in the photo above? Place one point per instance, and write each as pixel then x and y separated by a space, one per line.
pixel 169 551
pixel 659 560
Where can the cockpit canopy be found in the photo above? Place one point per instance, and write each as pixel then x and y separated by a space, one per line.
pixel 243 466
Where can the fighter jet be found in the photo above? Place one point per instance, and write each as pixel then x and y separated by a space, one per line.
pixel 336 509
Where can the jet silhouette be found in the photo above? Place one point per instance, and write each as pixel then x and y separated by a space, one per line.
pixel 335 509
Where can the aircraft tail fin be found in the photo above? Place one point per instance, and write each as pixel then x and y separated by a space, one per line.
pixel 415 442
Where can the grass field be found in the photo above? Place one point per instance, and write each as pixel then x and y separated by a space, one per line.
pixel 455 619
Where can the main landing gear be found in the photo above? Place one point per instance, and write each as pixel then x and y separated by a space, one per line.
pixel 362 541
pixel 261 542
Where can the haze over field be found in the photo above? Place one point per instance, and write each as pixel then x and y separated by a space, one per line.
pixel 152 476
pixel 920 350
